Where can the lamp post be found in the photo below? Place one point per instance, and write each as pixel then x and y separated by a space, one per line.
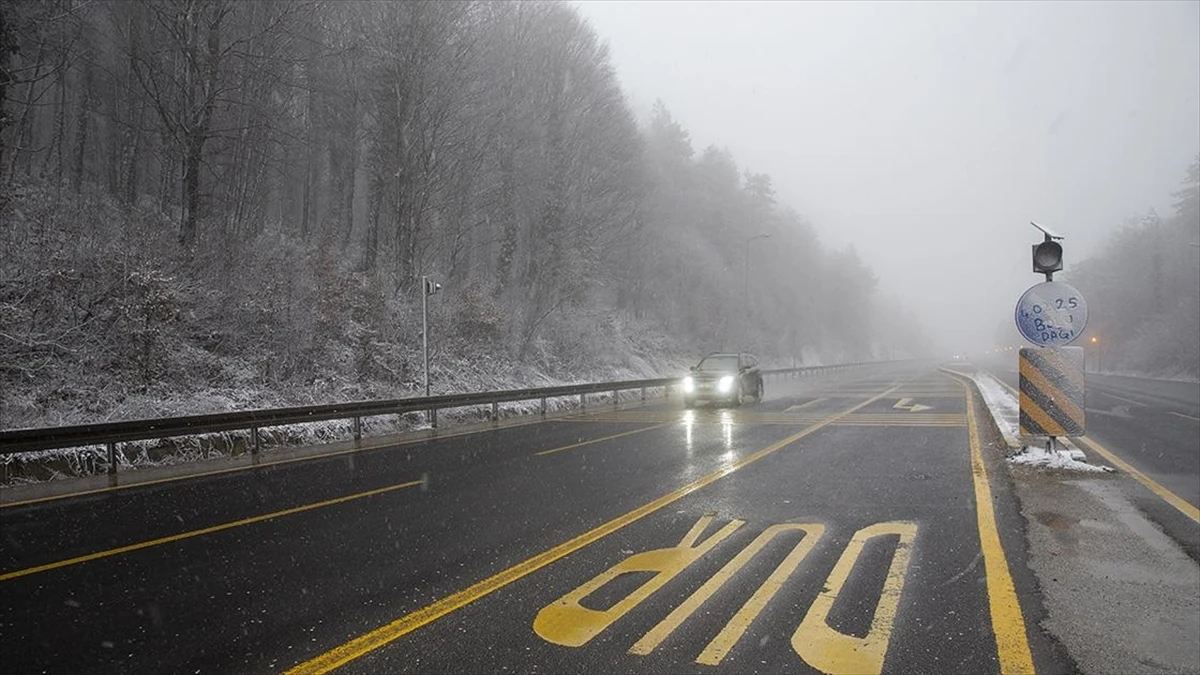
pixel 427 288
pixel 746 283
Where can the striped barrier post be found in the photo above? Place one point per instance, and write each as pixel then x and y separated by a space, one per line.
pixel 1052 391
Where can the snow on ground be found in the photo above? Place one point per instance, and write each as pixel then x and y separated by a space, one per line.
pixel 1004 406
pixel 88 460
pixel 1057 459
pixel 1006 411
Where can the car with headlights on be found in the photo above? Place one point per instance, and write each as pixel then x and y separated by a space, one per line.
pixel 723 377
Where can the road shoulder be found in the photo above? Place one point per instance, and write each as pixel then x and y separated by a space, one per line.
pixel 1119 594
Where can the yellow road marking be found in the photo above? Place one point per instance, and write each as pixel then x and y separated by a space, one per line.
pixel 379 637
pixel 567 622
pixel 841 423
pixel 803 405
pixel 601 439
pixel 1012 643
pixel 196 533
pixel 663 630
pixel 720 645
pixel 1170 497
pixel 1184 416
pixel 830 650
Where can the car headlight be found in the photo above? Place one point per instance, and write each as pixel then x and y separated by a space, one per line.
pixel 725 385
pixel 689 385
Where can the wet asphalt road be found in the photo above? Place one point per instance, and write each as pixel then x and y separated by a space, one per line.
pixel 831 528
pixel 1153 425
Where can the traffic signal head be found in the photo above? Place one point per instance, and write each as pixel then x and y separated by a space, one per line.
pixel 1047 256
pixel 430 287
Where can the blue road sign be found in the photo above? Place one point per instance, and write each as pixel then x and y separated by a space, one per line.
pixel 1051 314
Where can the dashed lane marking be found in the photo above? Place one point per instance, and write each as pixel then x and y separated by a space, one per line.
pixel 592 441
pixel 390 632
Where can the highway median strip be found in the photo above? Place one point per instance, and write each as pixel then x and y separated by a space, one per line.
pixel 1180 504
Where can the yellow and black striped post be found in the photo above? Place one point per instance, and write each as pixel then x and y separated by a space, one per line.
pixel 1052 391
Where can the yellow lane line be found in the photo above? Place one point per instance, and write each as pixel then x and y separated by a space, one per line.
pixel 802 405
pixel 601 439
pixel 380 445
pixel 384 635
pixel 196 533
pixel 805 421
pixel 1184 416
pixel 1012 643
pixel 1170 497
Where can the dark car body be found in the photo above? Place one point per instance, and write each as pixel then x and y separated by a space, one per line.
pixel 723 377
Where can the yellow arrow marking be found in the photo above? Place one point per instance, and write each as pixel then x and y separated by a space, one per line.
pixel 907 404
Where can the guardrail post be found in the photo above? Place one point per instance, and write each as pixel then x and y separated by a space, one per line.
pixel 616 399
pixel 112 459
pixel 254 440
pixel 358 428
pixel 582 402
pixel 433 417
pixel 495 412
pixel 643 394
pixel 543 406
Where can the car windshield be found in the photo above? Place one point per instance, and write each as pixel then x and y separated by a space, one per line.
pixel 718 362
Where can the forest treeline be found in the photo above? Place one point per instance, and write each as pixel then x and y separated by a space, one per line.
pixel 241 196
pixel 1143 291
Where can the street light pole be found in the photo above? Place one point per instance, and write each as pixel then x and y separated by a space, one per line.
pixel 746 282
pixel 425 329
pixel 428 288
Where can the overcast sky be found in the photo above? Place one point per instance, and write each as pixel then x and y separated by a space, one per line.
pixel 929 134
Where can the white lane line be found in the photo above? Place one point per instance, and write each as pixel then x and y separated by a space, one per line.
pixel 1120 398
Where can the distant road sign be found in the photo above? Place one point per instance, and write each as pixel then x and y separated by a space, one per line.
pixel 1052 314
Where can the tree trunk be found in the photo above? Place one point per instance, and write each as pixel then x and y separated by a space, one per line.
pixel 83 123
pixel 191 191
pixel 371 245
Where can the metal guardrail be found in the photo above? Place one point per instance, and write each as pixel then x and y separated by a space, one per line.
pixel 111 433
